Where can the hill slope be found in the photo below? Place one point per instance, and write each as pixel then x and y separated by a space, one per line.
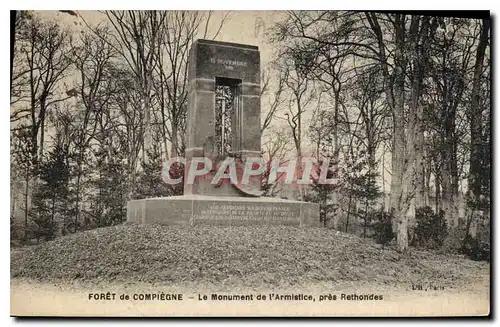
pixel 244 256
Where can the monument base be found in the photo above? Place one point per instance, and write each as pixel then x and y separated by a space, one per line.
pixel 226 211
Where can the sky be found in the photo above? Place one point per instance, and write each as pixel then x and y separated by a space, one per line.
pixel 239 27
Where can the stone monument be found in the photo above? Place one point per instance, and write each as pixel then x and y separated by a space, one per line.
pixel 223 122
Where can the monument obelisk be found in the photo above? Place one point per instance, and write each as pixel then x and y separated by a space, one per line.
pixel 223 121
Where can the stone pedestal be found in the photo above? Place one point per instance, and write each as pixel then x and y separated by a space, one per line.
pixel 223 211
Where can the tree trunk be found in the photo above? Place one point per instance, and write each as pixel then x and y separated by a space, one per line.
pixel 298 145
pixel 416 159
pixel 419 154
pixel 53 209
pixel 450 177
pixel 26 210
pixel 77 204
pixel 437 186
pixel 400 184
pixel 42 138
pixel 349 203
pixel 365 219
pixel 78 191
pixel 400 224
pixel 324 203
pixel 447 197
pixel 148 140
pixel 383 181
pixel 175 143
pixel 427 176
pixel 335 195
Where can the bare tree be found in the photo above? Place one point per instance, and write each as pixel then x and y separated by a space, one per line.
pixel 276 147
pixel 399 45
pixel 449 68
pixel 275 96
pixel 136 35
pixel 177 35
pixel 296 81
pixel 40 65
pixel 128 128
pixel 92 58
pixel 43 49
pixel 475 114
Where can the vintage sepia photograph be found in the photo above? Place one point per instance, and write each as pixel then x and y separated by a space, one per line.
pixel 168 163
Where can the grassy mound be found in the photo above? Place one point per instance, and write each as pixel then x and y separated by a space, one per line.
pixel 245 256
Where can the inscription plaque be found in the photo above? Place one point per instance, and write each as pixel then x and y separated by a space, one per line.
pixel 223 211
pixel 251 213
